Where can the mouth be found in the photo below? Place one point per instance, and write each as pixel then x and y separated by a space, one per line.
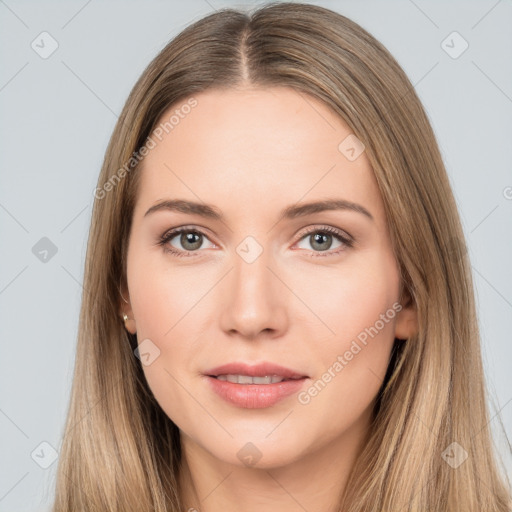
pixel 248 379
pixel 254 387
pixel 244 373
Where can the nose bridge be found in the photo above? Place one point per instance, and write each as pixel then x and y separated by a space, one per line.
pixel 251 273
pixel 253 300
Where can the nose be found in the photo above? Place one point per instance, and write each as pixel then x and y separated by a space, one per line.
pixel 253 300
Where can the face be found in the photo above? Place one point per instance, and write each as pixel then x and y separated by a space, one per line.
pixel 315 291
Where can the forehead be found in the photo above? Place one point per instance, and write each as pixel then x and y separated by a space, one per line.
pixel 251 149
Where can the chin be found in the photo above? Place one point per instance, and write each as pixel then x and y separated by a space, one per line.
pixel 261 451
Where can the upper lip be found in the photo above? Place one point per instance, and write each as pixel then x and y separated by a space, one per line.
pixel 258 370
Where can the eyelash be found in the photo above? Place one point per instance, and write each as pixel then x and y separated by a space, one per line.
pixel 169 235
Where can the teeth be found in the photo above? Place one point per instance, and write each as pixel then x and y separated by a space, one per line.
pixel 246 379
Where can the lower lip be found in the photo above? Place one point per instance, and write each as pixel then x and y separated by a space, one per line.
pixel 255 396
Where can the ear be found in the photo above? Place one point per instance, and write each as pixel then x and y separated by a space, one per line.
pixel 406 324
pixel 126 309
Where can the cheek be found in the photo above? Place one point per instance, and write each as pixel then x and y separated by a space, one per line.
pixel 350 298
pixel 171 310
pixel 166 317
pixel 165 295
pixel 359 307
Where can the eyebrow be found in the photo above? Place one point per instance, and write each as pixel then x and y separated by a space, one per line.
pixel 290 212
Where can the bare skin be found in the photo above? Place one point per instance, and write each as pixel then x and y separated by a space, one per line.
pixel 251 153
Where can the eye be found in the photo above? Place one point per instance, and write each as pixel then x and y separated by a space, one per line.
pixel 321 240
pixel 190 239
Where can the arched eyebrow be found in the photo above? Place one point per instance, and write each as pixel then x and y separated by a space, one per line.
pixel 301 210
pixel 290 212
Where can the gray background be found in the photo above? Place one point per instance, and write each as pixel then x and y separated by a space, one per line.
pixel 57 117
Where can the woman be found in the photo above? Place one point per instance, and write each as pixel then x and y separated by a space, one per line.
pixel 229 355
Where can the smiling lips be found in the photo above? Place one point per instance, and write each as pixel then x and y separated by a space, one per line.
pixel 254 387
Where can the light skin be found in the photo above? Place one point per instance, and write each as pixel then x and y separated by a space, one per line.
pixel 252 152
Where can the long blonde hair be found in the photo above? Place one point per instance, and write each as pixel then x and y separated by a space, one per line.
pixel 120 451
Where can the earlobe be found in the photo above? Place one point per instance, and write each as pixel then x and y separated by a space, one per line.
pixel 130 325
pixel 127 314
pixel 406 325
pixel 129 321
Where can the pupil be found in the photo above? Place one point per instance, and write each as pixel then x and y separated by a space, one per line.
pixel 188 238
pixel 321 237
